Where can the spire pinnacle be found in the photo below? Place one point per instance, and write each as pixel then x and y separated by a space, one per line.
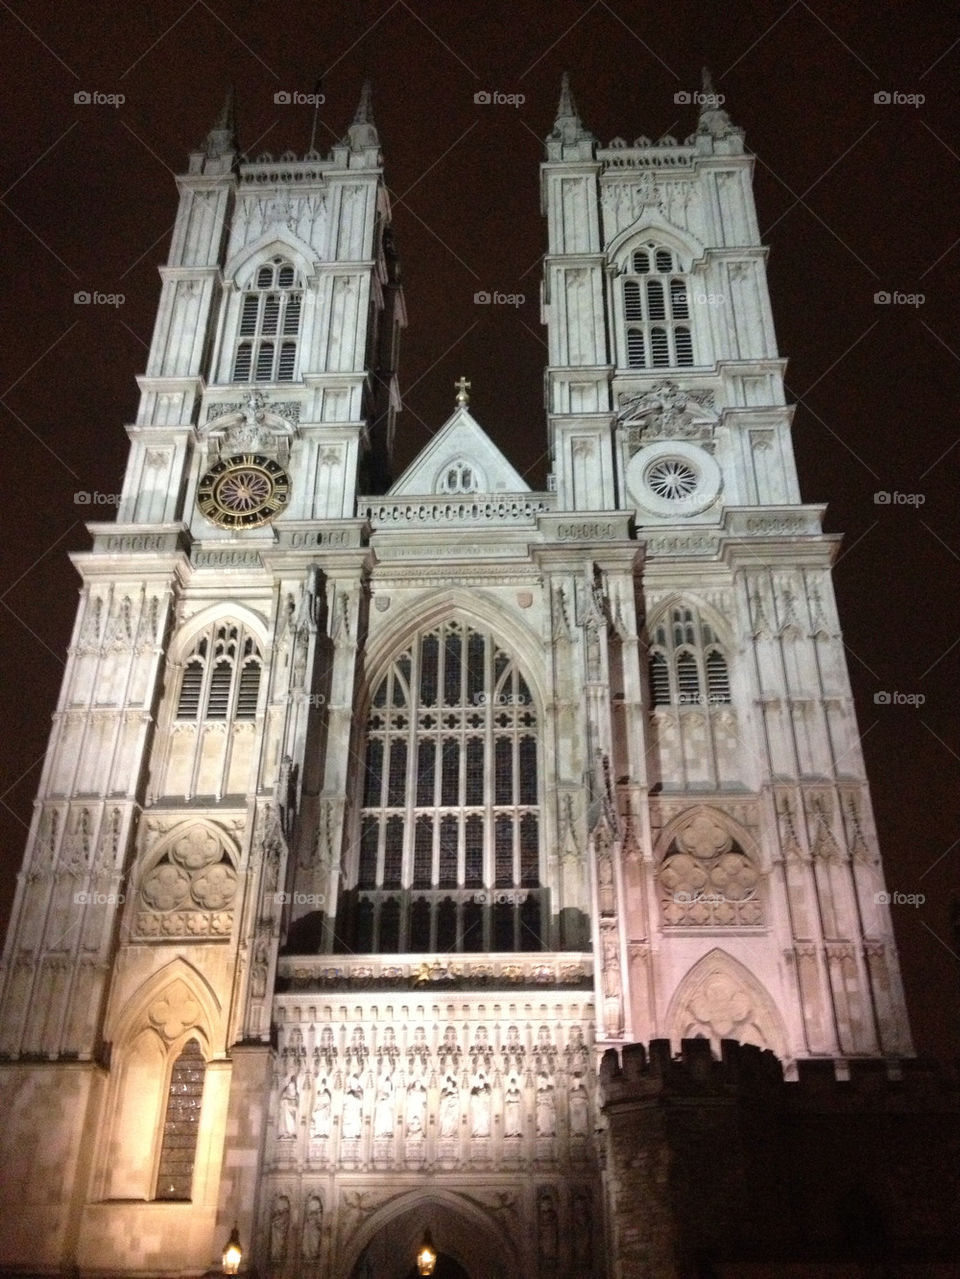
pixel 568 130
pixel 713 119
pixel 222 137
pixel 363 132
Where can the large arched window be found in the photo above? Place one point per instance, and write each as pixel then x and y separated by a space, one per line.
pixel 221 679
pixel 688 666
pixel 656 310
pixel 269 325
pixel 449 852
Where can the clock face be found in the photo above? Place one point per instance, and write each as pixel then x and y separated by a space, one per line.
pixel 243 491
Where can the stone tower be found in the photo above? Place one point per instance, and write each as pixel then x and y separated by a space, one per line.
pixel 376 809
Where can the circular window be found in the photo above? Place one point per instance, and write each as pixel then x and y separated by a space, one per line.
pixel 673 479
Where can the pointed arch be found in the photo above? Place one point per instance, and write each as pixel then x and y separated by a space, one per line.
pixel 459 1226
pixel 737 831
pixel 653 225
pixel 719 998
pixel 468 608
pixel 181 643
pixel 176 983
pixel 244 263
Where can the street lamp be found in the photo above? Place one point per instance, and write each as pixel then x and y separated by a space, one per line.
pixel 233 1253
pixel 427 1256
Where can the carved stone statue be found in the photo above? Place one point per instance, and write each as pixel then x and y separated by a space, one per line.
pixel 279 1227
pixel 549 1234
pixel 352 1107
pixel 546 1105
pixel 383 1113
pixel 312 1229
pixel 449 1106
pixel 416 1109
pixel 579 1107
pixel 513 1107
pixel 480 1104
pixel 289 1108
pixel 322 1109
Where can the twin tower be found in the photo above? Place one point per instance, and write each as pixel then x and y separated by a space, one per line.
pixel 375 809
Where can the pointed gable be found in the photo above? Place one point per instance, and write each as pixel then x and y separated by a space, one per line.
pixel 461 458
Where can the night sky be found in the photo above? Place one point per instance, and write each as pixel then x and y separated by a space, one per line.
pixel 855 197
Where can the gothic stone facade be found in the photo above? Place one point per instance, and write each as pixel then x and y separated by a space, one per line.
pixel 375 812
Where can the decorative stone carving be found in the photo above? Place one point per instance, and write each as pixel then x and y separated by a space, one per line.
pixel 279 1227
pixel 706 880
pixel 312 1233
pixel 352 1120
pixel 289 1110
pixel 174 1011
pixel 191 888
pixel 666 412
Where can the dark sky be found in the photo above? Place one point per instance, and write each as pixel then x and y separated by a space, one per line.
pixel 854 196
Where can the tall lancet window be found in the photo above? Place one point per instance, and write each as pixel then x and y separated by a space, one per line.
pixel 449 850
pixel 181 1124
pixel 656 310
pixel 269 325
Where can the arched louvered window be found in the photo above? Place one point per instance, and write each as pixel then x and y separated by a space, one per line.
pixel 181 1124
pixel 449 841
pixel 687 663
pixel 654 300
pixel 269 326
pixel 221 677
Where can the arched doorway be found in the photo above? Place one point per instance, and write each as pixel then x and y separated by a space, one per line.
pixel 469 1242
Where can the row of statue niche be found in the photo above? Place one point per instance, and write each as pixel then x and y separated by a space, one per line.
pixel 477 1086
pixel 512 1051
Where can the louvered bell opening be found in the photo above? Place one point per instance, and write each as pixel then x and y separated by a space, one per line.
pixel 249 691
pixel 241 365
pixel 635 353
pixel 632 308
pixel 688 678
pixel 684 345
pixel 659 680
pixel 249 314
pixel 288 362
pixel 218 700
pixel 718 680
pixel 659 348
pixel 265 362
pixel 188 705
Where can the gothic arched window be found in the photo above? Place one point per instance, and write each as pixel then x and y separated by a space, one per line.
pixel 449 852
pixel 269 325
pixel 181 1124
pixel 221 678
pixel 687 663
pixel 656 310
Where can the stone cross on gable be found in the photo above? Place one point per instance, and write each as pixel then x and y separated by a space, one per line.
pixel 463 389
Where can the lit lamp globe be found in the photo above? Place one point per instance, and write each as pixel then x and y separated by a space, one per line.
pixel 427 1256
pixel 232 1254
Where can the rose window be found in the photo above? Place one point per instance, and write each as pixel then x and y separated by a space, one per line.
pixel 672 479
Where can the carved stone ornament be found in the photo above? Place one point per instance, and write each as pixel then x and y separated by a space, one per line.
pixel 667 412
pixel 706 880
pixel 253 425
pixel 190 890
